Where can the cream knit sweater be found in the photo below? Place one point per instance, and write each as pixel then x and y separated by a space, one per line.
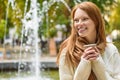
pixel 106 67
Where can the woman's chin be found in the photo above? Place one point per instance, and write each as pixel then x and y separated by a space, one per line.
pixel 81 35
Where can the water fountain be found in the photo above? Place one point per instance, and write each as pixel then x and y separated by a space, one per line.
pixel 31 22
pixel 29 38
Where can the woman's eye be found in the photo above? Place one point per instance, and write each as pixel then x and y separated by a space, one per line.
pixel 76 20
pixel 84 19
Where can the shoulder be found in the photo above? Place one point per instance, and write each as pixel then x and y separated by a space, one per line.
pixel 62 57
pixel 63 52
pixel 110 47
pixel 110 50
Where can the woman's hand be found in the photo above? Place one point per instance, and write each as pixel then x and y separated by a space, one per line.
pixel 91 53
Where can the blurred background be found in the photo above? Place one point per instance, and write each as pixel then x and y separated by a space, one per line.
pixel 31 32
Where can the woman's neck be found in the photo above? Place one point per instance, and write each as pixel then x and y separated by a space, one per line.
pixel 91 39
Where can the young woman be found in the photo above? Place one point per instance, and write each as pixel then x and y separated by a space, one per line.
pixel 85 54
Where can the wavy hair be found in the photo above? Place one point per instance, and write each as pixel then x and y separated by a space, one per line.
pixel 94 13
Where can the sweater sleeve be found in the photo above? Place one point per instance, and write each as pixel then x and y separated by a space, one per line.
pixel 112 61
pixel 83 70
pixel 81 73
pixel 64 71
pixel 115 61
pixel 100 68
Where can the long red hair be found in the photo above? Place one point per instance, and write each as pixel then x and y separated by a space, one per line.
pixel 94 13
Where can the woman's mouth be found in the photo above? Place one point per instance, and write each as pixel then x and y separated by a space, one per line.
pixel 81 30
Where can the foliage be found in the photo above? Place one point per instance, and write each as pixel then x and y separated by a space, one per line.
pixel 2 11
pixel 2 29
pixel 115 17
pixel 17 14
pixel 57 14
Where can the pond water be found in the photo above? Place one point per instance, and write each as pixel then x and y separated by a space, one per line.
pixel 45 75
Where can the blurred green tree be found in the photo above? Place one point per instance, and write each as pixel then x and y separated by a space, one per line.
pixel 2 30
pixel 115 17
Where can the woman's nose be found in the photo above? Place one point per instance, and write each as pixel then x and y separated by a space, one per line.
pixel 80 22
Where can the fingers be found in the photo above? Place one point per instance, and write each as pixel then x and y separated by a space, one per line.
pixel 91 53
pixel 91 56
pixel 89 48
pixel 96 49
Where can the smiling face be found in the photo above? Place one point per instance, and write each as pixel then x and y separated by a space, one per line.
pixel 84 24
